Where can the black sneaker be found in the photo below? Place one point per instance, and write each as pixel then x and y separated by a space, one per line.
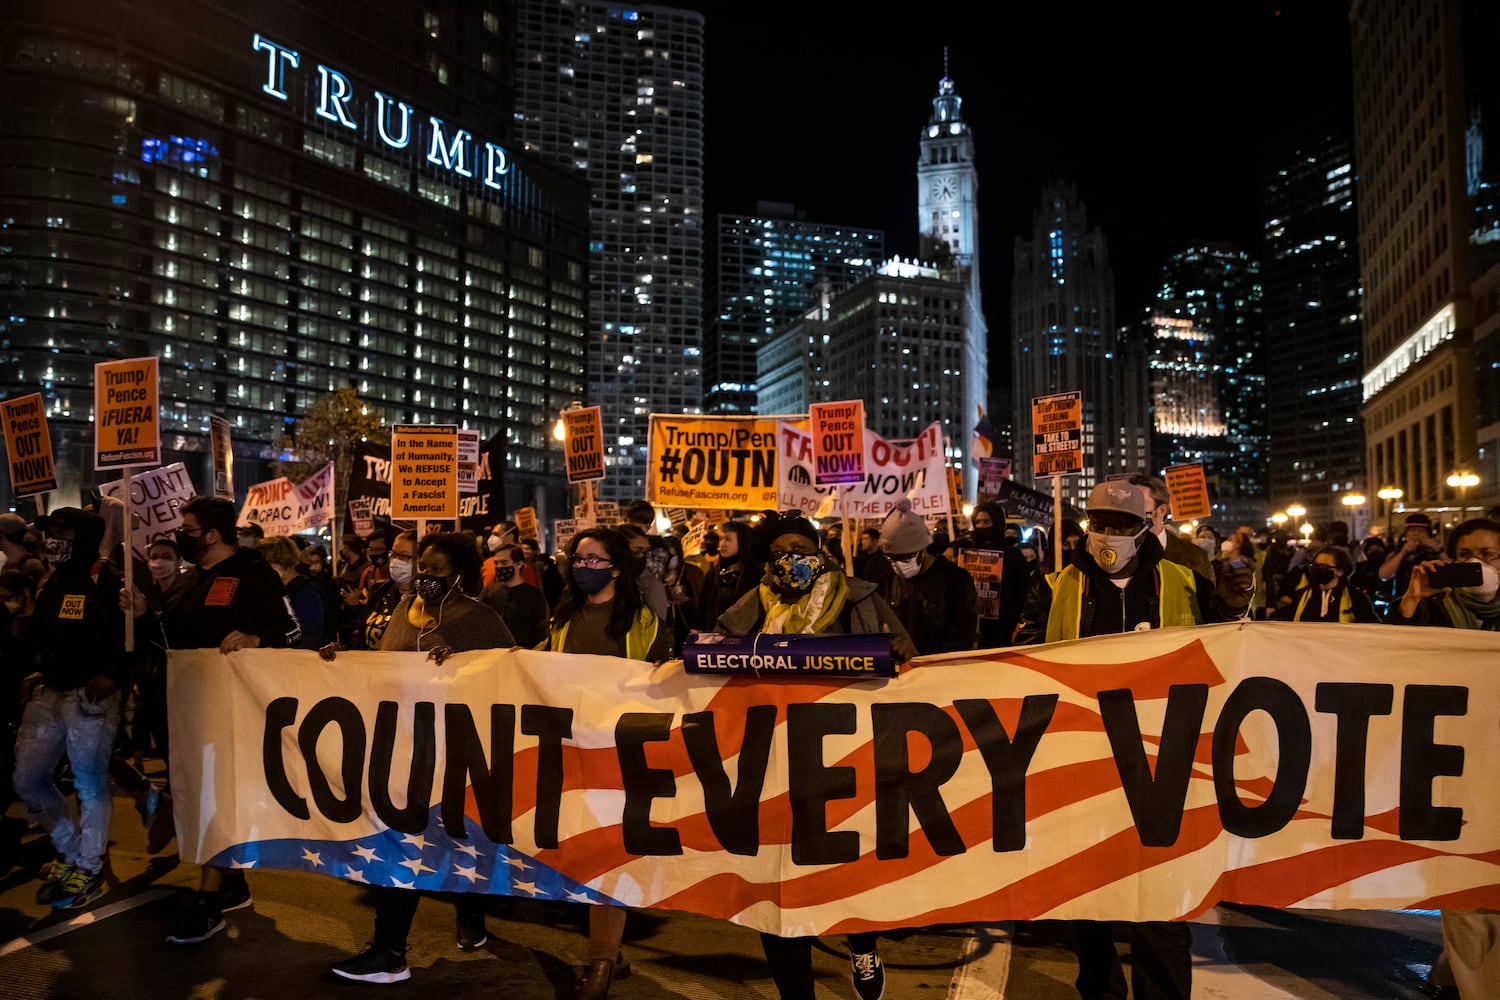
pixel 374 965
pixel 868 975
pixel 80 888
pixel 470 936
pixel 51 889
pixel 235 897
pixel 202 921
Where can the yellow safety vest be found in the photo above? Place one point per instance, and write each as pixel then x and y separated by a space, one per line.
pixel 1346 606
pixel 638 640
pixel 1177 599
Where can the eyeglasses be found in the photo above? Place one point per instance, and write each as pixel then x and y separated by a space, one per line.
pixel 896 557
pixel 191 532
pixel 1484 555
pixel 592 562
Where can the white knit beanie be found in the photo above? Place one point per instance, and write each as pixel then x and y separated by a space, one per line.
pixel 903 532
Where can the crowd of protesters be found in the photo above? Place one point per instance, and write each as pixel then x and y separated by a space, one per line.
pixel 637 592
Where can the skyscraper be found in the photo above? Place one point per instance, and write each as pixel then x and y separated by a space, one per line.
pixel 948 229
pixel 1208 386
pixel 1424 97
pixel 765 270
pixel 277 210
pixel 615 92
pixel 1313 332
pixel 896 340
pixel 1065 338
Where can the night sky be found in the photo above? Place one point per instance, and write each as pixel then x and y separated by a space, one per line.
pixel 1162 114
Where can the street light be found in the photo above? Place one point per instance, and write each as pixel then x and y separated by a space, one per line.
pixel 1297 511
pixel 1462 481
pixel 1389 494
pixel 1307 531
pixel 1278 519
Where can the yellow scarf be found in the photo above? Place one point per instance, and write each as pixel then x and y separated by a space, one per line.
pixel 811 613
pixel 417 614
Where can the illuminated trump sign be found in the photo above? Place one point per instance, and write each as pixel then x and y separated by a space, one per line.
pixel 396 124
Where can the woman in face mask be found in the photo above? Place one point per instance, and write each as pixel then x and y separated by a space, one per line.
pixel 737 572
pixel 438 615
pixel 1466 934
pixel 1208 540
pixel 802 592
pixel 1325 595
pixel 601 612
pixel 1474 606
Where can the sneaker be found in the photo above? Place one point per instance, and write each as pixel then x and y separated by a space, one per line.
pixel 374 965
pixel 54 873
pixel 235 897
pixel 80 888
pixel 471 936
pixel 202 921
pixel 868 975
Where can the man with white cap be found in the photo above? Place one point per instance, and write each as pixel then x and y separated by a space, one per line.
pixel 1119 581
pixel 934 599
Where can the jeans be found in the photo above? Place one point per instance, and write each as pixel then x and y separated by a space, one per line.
pixel 58 722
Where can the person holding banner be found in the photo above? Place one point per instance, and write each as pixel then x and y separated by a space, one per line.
pixel 1119 580
pixel 1468 936
pixel 805 593
pixel 442 616
pixel 601 612
pixel 319 621
pixel 232 600
pixel 72 704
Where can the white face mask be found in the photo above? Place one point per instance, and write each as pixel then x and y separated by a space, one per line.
pixel 163 568
pixel 494 542
pixel 1112 552
pixel 1489 585
pixel 401 571
pixel 1207 544
pixel 909 568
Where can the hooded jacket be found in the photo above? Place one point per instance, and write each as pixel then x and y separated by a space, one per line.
pixel 78 627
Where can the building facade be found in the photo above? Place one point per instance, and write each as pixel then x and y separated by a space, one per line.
pixel 279 203
pixel 896 340
pixel 1425 102
pixel 1065 338
pixel 1314 336
pixel 765 269
pixel 1208 387
pixel 614 93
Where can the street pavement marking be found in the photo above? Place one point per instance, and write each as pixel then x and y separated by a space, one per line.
pixel 1220 978
pixel 983 969
pixel 83 920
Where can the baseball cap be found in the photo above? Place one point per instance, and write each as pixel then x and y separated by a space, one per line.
pixel 1119 496
pixel 1418 520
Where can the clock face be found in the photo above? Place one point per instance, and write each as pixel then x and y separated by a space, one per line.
pixel 943 188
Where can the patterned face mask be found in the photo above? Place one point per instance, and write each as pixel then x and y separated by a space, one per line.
pixel 795 573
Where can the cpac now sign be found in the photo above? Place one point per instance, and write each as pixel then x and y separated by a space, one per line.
pixel 383 120
pixel 1140 777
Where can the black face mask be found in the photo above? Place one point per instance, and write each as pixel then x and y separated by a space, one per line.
pixel 1319 574
pixel 379 558
pixel 432 589
pixel 187 546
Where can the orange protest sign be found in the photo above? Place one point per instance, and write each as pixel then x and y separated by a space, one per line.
pixel 28 446
pixel 583 444
pixel 1057 435
pixel 127 417
pixel 838 434
pixel 526 524
pixel 424 472
pixel 1188 488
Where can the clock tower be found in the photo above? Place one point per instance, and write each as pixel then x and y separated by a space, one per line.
pixel 948 227
pixel 947 185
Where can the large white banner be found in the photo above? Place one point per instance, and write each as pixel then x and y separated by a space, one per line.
pixel 913 470
pixel 1138 777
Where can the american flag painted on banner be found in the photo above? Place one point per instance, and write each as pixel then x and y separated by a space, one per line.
pixel 1083 855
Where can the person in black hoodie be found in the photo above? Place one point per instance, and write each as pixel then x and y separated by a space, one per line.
pixel 737 572
pixel 72 704
pixel 233 600
pixel 989 532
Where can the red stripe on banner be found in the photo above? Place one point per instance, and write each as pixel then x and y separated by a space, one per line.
pixel 1482 898
pixel 1148 679
pixel 1286 880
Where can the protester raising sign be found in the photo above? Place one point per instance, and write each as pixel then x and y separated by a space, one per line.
pixel 281 507
pixel 156 500
pixel 127 420
pixel 913 470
